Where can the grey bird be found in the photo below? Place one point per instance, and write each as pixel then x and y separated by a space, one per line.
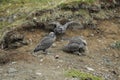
pixel 61 29
pixel 46 42
pixel 76 45
pixel 78 39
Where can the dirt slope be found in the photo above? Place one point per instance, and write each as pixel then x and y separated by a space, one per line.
pixel 100 60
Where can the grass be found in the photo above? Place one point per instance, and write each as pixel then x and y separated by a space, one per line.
pixel 75 2
pixel 116 45
pixel 81 75
pixel 25 7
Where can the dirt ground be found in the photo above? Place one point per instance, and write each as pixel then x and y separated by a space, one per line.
pixel 103 60
pixel 100 58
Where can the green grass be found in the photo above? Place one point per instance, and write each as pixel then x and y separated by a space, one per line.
pixel 81 75
pixel 75 2
pixel 116 45
pixel 9 7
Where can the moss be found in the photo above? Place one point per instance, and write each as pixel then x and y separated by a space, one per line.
pixel 81 75
pixel 116 45
pixel 22 8
pixel 74 3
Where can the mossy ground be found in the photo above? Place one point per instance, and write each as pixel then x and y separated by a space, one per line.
pixel 25 7
pixel 51 68
pixel 81 75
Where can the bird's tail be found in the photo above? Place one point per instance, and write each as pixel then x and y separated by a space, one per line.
pixel 36 50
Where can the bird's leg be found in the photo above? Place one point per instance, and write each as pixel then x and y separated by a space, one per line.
pixel 34 54
pixel 82 51
pixel 45 51
pixel 78 53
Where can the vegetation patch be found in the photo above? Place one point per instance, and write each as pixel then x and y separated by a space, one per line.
pixel 81 75
pixel 116 45
pixel 75 4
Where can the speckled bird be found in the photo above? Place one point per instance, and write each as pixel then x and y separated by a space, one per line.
pixel 46 42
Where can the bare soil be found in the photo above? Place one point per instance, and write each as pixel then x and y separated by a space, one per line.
pixel 100 59
pixel 104 60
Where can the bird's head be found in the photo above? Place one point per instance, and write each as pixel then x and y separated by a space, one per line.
pixel 52 34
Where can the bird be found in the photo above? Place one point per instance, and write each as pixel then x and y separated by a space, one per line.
pixel 45 43
pixel 61 29
pixel 78 39
pixel 72 48
pixel 76 45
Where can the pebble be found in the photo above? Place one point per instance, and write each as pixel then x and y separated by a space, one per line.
pixel 92 35
pixel 13 62
pixel 54 45
pixel 12 70
pixel 58 67
pixel 41 60
pixel 90 69
pixel 38 73
pixel 56 56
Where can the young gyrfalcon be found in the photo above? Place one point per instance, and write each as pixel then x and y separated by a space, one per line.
pixel 45 43
pixel 76 45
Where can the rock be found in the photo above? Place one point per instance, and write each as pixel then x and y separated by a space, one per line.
pixel 12 70
pixel 56 56
pixel 54 45
pixel 38 73
pixel 90 69
pixel 41 60
pixel 12 39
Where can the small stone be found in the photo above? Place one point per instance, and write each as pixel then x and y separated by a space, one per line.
pixel 13 62
pixel 38 73
pixel 58 67
pixel 56 56
pixel 41 60
pixel 54 45
pixel 90 69
pixel 12 70
pixel 92 35
pixel 35 18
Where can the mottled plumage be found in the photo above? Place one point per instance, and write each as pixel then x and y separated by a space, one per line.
pixel 61 29
pixel 78 39
pixel 76 45
pixel 73 47
pixel 46 42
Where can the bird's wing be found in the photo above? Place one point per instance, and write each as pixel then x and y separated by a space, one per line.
pixel 77 39
pixel 71 47
pixel 46 42
pixel 55 23
pixel 58 30
pixel 72 24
